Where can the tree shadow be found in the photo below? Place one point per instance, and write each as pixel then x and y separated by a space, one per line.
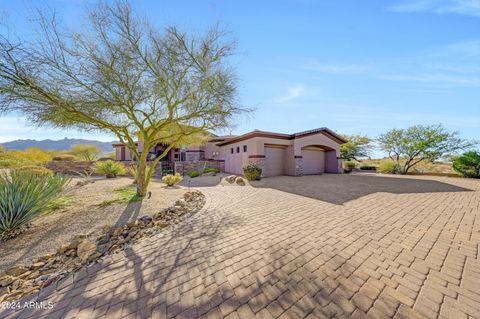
pixel 341 188
pixel 130 213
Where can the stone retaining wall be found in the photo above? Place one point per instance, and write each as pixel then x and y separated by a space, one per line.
pixel 190 166
pixel 71 167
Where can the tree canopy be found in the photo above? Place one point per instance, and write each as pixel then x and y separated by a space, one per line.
pixel 408 147
pixel 122 75
pixel 357 146
pixel 86 152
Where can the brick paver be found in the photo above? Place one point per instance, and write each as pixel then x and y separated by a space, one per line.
pixel 266 253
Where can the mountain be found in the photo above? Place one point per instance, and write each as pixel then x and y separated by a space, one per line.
pixel 56 145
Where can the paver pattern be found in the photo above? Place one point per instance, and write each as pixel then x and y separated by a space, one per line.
pixel 259 252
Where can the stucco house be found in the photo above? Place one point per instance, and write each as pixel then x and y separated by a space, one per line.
pixel 305 153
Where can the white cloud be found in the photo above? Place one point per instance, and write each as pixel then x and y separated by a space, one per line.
pixel 464 7
pixel 293 93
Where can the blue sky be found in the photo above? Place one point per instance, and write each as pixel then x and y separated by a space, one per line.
pixel 353 66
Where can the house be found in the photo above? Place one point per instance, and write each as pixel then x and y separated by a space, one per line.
pixel 305 153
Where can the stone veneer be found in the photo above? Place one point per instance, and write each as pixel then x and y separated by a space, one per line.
pixel 298 165
pixel 189 166
pixel 71 167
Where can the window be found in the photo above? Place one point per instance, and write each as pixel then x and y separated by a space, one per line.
pixel 215 155
pixel 238 149
pixel 176 155
pixel 231 150
pixel 244 148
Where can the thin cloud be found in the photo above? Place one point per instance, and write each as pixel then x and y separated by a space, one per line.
pixel 292 94
pixel 463 7
pixel 335 68
pixel 438 78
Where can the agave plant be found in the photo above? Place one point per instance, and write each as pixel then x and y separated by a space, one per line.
pixel 110 168
pixel 23 196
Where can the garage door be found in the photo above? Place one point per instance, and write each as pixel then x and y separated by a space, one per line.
pixel 313 161
pixel 274 161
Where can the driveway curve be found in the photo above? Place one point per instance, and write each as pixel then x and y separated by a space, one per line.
pixel 273 252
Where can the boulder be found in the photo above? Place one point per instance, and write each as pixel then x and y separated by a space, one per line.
pixel 5 281
pixel 16 271
pixel 239 181
pixel 230 179
pixel 85 250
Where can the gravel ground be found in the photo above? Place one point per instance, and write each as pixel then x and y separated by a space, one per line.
pixel 84 216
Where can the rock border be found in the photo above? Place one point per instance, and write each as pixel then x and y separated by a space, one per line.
pixel 20 281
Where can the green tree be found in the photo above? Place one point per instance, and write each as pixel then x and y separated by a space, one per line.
pixel 86 152
pixel 357 146
pixel 468 165
pixel 408 147
pixel 121 75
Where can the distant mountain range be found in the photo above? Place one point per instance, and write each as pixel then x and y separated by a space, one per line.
pixel 58 145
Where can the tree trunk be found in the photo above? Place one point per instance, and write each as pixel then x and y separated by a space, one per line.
pixel 140 178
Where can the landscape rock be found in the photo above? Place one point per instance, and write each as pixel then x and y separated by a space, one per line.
pixel 239 181
pixel 16 271
pixel 85 250
pixel 230 179
pixel 5 281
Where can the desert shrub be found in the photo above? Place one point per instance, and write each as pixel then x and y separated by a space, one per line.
pixel 39 170
pixel 368 167
pixel 86 152
pixel 2 148
pixel 348 166
pixel 31 156
pixel 65 157
pixel 239 181
pixel 388 167
pixel 23 196
pixel 110 168
pixel 211 170
pixel 171 180
pixel 252 172
pixel 468 165
pixel 193 174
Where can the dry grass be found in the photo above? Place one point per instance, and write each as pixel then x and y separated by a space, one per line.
pixel 422 167
pixel 84 210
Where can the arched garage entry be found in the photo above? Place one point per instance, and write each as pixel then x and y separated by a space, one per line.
pixel 314 159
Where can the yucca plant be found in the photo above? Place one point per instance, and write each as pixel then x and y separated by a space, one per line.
pixel 110 168
pixel 23 196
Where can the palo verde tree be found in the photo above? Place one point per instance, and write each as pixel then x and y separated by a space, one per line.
pixel 123 76
pixel 408 147
pixel 357 146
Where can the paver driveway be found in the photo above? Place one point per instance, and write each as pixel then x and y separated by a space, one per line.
pixel 264 252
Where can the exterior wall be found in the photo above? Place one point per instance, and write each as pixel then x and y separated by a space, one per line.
pixel 332 163
pixel 209 149
pixel 293 153
pixel 118 153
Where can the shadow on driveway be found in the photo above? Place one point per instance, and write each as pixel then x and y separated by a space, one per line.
pixel 339 188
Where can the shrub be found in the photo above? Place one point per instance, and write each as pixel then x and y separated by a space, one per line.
pixel 193 174
pixel 211 170
pixel 388 167
pixel 348 166
pixel 171 180
pixel 368 167
pixel 31 156
pixel 86 152
pixel 110 169
pixel 39 170
pixel 468 165
pixel 252 172
pixel 25 195
pixel 65 157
